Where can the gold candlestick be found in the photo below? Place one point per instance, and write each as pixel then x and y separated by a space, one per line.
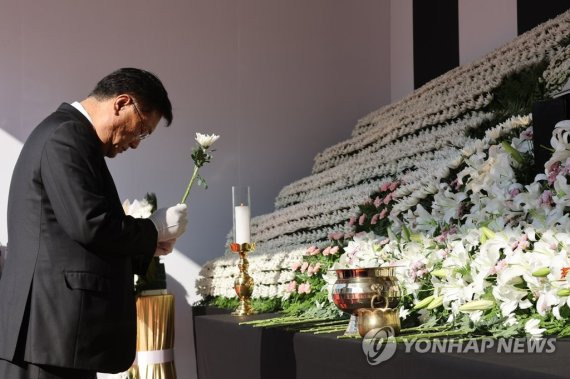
pixel 243 284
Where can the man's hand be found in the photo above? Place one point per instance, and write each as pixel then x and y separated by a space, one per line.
pixel 165 247
pixel 170 222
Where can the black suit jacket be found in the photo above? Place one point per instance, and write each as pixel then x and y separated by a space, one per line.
pixel 66 292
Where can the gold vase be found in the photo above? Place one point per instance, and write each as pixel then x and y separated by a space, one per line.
pixel 243 284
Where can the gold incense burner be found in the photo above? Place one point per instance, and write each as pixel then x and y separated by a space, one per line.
pixel 243 283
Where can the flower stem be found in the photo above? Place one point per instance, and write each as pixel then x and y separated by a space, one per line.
pixel 190 183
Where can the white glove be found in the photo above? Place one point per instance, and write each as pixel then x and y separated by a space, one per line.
pixel 164 247
pixel 170 222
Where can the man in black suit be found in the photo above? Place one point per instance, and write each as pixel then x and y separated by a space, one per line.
pixel 67 306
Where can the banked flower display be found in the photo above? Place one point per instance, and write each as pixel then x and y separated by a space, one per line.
pixel 438 185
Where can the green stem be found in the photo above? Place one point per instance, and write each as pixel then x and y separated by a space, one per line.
pixel 294 322
pixel 327 331
pixel 190 183
pixel 349 336
pixel 422 329
pixel 281 321
pixel 321 328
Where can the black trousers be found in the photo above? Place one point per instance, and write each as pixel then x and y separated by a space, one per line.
pixel 24 370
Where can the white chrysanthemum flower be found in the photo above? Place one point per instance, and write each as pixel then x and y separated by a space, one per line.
pixel 532 329
pixel 138 208
pixel 206 140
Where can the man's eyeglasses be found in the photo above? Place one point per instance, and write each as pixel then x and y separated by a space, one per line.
pixel 144 131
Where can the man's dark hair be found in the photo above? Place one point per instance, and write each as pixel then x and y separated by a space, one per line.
pixel 142 85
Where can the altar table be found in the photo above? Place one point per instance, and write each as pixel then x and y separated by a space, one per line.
pixel 225 349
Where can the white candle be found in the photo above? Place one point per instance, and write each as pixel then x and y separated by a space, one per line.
pixel 242 216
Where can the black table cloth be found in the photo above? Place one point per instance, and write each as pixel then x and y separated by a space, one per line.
pixel 225 349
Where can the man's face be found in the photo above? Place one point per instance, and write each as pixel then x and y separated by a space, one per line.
pixel 131 127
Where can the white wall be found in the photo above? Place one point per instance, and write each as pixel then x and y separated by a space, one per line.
pixel 279 80
pixel 10 150
pixel 485 25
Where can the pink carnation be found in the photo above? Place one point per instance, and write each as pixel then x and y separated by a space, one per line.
pixel 304 288
pixel 374 219
pixel 334 250
pixel 377 201
pixel 383 214
pixel 384 187
pixel 310 270
pixel 361 219
pixel 316 268
pixel 304 267
pixel 295 266
pixel 352 221
pixel 311 250
pixel 336 236
pixel 388 198
pixel 326 251
pixel 291 286
pixel 394 185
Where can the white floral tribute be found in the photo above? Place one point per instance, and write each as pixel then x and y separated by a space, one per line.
pixel 558 71
pixel 138 208
pixel 421 140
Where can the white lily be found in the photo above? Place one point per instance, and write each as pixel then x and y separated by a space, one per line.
pixel 545 301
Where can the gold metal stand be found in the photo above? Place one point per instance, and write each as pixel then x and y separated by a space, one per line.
pixel 243 284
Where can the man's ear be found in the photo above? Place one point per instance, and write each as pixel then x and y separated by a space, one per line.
pixel 120 102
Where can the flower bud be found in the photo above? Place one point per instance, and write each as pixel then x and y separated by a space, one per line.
pixel 563 292
pixel 423 303
pixel 477 305
pixel 436 302
pixel 441 273
pixel 541 272
pixel 416 237
pixel 487 232
pixel 514 153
